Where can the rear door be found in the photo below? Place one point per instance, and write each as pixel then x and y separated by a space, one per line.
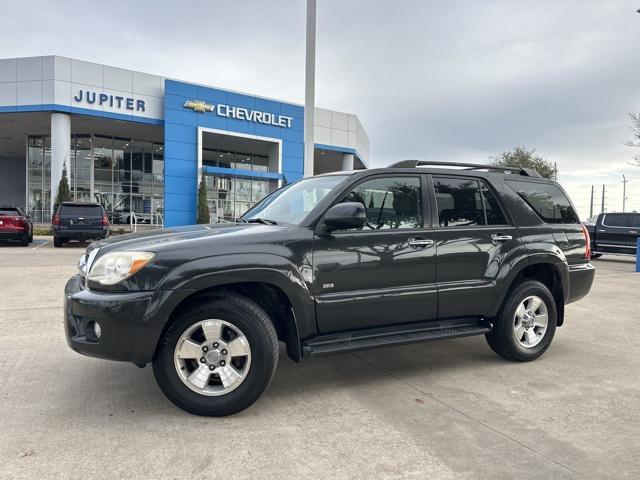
pixel 473 238
pixel 81 217
pixel 385 273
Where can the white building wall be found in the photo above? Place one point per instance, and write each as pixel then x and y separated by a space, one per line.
pixel 341 130
pixel 57 80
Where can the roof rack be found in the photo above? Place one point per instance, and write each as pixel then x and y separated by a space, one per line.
pixel 465 166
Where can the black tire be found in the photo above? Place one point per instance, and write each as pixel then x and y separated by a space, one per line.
pixel 261 335
pixel 58 242
pixel 502 338
pixel 596 255
pixel 31 237
pixel 25 241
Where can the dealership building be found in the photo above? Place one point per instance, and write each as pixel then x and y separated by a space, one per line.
pixel 138 143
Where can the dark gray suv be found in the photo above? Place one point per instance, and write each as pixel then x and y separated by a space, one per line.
pixel 79 221
pixel 331 264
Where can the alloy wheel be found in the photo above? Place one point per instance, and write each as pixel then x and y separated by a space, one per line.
pixel 212 357
pixel 530 321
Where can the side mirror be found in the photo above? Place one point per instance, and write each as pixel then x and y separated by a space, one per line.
pixel 345 216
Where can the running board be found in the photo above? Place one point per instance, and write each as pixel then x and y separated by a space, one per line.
pixel 390 336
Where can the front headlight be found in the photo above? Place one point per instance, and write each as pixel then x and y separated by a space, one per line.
pixel 116 266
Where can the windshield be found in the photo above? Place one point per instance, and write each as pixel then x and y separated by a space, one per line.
pixel 291 204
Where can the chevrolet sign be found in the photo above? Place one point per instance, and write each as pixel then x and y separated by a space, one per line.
pixel 240 113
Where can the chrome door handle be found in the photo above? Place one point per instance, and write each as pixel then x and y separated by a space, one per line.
pixel 498 237
pixel 421 243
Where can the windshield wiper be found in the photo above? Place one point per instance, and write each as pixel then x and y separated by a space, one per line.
pixel 264 221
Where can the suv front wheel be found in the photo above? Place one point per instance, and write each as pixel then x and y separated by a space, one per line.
pixel 218 357
pixel 524 328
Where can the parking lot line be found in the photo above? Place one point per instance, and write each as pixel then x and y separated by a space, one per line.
pixel 41 245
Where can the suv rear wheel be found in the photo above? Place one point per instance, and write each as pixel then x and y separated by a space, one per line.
pixel 58 242
pixel 218 357
pixel 526 324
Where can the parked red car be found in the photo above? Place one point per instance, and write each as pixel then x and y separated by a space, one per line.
pixel 15 225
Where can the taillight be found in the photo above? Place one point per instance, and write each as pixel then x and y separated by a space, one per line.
pixel 56 219
pixel 105 221
pixel 587 239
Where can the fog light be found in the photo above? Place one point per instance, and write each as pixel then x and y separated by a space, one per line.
pixel 97 331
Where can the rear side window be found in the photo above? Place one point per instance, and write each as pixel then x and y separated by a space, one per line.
pixel 616 220
pixel 464 202
pixel 635 221
pixel 547 200
pixel 13 212
pixel 81 210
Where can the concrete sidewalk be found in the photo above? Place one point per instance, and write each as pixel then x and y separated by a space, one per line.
pixel 442 410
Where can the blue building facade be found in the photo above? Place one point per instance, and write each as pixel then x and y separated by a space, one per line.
pixel 182 140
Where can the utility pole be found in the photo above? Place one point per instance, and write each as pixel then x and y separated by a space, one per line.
pixel 602 209
pixel 309 88
pixel 591 206
pixel 624 193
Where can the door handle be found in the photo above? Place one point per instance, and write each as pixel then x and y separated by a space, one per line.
pixel 421 243
pixel 499 237
pixel 633 231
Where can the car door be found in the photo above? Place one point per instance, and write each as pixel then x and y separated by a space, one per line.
pixel 615 232
pixel 383 274
pixel 473 237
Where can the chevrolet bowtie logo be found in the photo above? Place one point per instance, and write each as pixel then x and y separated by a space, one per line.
pixel 199 106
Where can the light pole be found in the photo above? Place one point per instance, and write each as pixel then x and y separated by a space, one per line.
pixel 309 88
pixel 624 193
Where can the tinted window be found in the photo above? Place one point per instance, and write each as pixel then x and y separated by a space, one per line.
pixel 81 210
pixel 635 221
pixel 459 202
pixel 547 200
pixel 495 215
pixel 391 202
pixel 616 220
pixel 9 211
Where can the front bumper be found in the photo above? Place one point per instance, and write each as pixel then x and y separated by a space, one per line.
pixel 580 280
pixel 130 322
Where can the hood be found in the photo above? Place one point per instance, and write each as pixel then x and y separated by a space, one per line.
pixel 182 237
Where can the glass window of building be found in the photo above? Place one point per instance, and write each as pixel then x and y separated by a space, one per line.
pixel 39 178
pixel 125 175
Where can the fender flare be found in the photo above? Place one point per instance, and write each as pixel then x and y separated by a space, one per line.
pixel 268 269
pixel 509 272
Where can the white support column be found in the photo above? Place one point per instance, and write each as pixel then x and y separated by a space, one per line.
pixel 60 150
pixel 309 89
pixel 347 161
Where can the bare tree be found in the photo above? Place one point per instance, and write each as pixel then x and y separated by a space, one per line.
pixel 635 143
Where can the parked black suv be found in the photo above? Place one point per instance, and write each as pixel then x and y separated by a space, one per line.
pixel 334 263
pixel 79 221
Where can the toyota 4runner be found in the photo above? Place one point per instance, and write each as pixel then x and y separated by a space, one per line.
pixel 330 264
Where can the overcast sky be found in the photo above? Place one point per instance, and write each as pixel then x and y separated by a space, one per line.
pixel 455 80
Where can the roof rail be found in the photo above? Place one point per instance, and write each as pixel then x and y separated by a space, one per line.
pixel 466 166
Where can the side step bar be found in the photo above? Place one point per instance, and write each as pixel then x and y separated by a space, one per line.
pixel 390 336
